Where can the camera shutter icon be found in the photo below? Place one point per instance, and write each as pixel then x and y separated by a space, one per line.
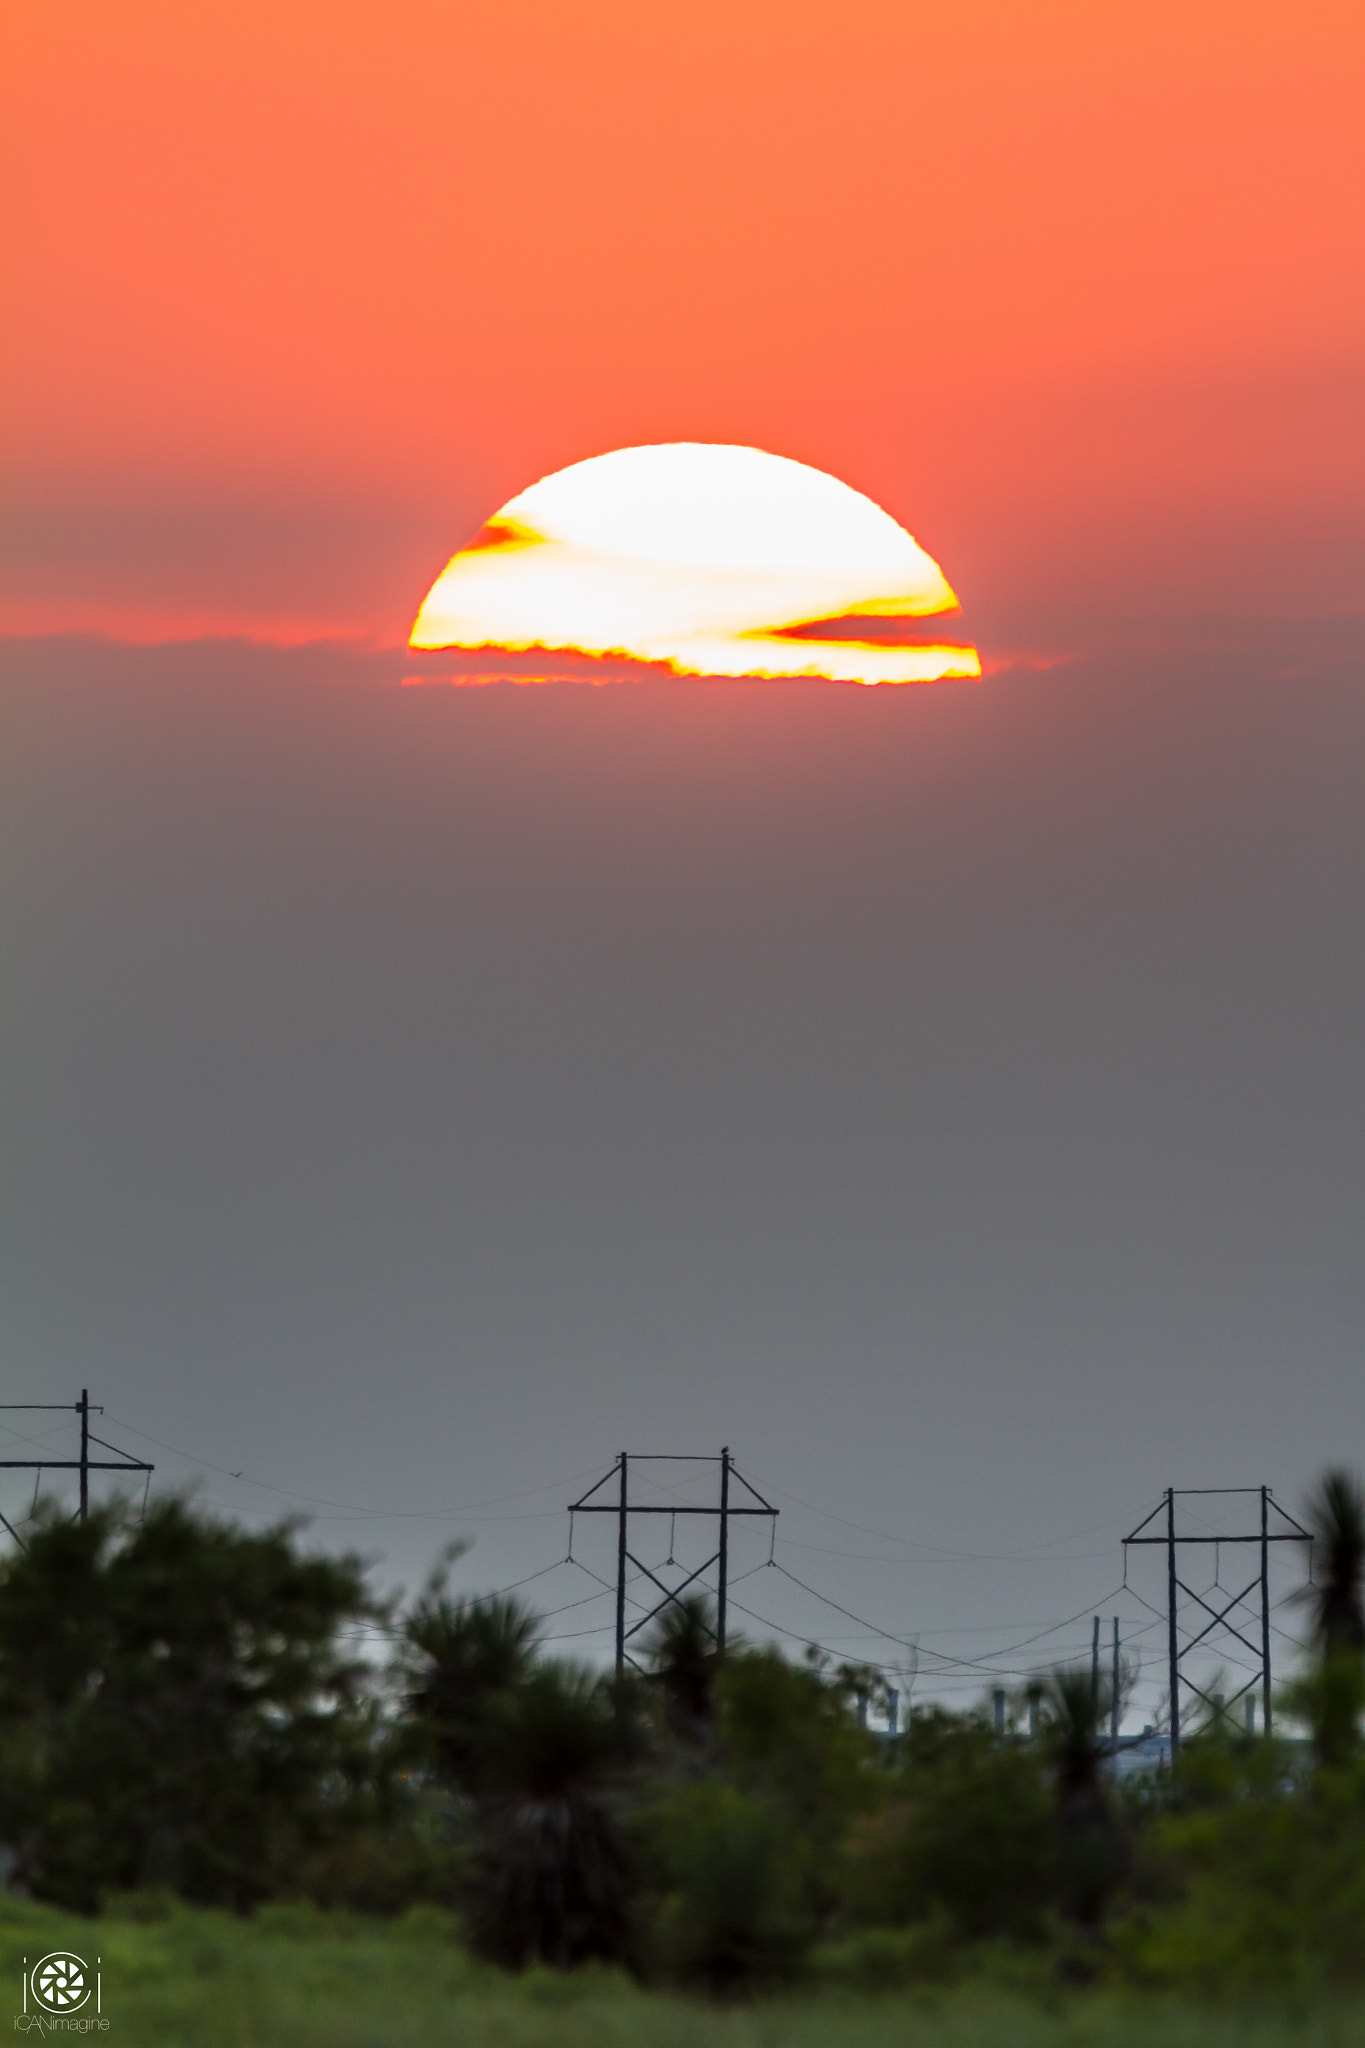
pixel 60 1982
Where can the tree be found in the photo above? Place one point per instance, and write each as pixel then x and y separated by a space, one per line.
pixel 535 1751
pixel 682 1654
pixel 1091 1845
pixel 176 1708
pixel 1333 1693
pixel 460 1657
pixel 553 1869
pixel 1335 1514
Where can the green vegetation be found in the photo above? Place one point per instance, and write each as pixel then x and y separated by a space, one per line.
pixel 480 1843
pixel 177 1710
pixel 294 1977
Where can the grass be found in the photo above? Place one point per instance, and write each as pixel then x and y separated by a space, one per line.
pixel 189 1979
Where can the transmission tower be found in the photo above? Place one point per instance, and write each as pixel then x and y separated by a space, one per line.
pixel 1254 1597
pixel 84 1464
pixel 623 1507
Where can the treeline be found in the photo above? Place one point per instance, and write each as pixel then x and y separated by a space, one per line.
pixel 191 1710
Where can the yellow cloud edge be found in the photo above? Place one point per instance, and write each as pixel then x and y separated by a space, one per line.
pixel 772 657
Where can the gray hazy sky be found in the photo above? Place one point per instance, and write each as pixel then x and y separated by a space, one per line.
pixel 951 1098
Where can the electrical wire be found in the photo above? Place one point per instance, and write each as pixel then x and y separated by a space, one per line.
pixel 1026 1552
pixel 964 1663
pixel 949 1673
pixel 355 1508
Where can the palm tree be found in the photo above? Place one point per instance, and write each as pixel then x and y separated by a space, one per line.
pixel 1333 1694
pixel 460 1656
pixel 1075 1708
pixel 1335 1514
pixel 554 1871
pixel 683 1654
pixel 537 1750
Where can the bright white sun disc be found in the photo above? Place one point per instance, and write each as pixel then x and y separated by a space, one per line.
pixel 694 555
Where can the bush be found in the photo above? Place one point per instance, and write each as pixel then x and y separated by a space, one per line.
pixel 732 1914
pixel 964 1832
pixel 1270 1877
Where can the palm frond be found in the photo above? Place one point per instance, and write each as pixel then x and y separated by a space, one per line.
pixel 682 1653
pixel 458 1657
pixel 1335 1514
pixel 1075 1707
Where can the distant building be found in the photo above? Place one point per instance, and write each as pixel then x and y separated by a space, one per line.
pixel 1139 1756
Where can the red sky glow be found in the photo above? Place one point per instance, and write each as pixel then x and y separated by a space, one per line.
pixel 298 294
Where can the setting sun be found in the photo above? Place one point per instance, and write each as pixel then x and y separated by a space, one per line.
pixel 719 561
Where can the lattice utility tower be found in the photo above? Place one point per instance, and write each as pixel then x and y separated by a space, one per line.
pixel 623 1507
pixel 1254 1596
pixel 84 1464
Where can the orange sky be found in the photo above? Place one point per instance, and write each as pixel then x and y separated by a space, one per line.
pixel 297 293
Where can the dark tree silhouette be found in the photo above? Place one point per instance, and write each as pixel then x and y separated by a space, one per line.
pixel 1091 1842
pixel 537 1750
pixel 554 1866
pixel 1335 1514
pixel 460 1657
pixel 176 1709
pixel 682 1656
pixel 1332 1694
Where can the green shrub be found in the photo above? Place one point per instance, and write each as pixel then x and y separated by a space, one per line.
pixel 1271 1882
pixel 964 1831
pixel 733 1915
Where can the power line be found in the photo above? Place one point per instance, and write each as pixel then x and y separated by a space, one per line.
pixel 354 1507
pixel 1024 1553
pixel 982 1664
pixel 949 1559
pixel 949 1671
